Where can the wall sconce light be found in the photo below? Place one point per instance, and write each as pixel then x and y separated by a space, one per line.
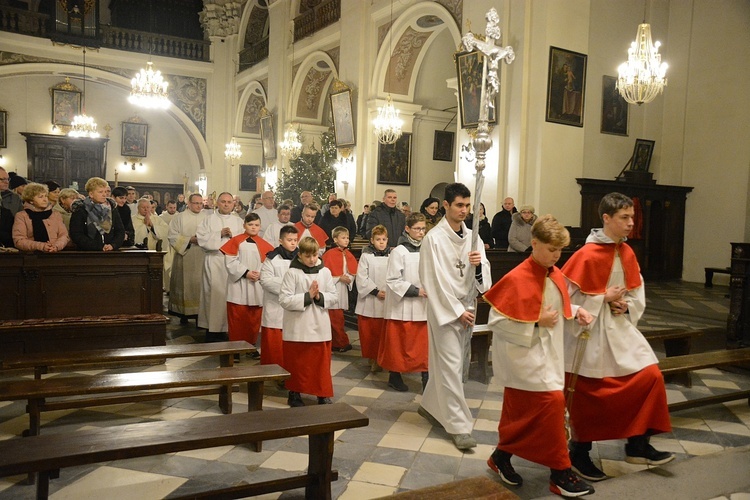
pixel 134 164
pixel 2 161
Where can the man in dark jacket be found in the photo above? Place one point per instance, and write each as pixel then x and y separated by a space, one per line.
pixel 501 224
pixel 389 216
pixel 306 198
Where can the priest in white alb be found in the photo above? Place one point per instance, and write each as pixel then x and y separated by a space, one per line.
pixel 448 270
pixel 187 265
pixel 215 230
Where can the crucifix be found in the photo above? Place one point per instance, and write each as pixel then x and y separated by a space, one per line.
pixel 460 266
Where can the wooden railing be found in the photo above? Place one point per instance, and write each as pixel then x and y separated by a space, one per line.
pixel 325 14
pixel 160 45
pixel 23 22
pixel 257 52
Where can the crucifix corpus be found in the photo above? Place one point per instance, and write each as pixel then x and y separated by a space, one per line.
pixel 491 55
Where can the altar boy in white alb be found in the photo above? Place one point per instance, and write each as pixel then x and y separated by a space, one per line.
pixel 448 270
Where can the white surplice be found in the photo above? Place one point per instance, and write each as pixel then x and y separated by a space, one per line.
pixel 403 272
pixel 159 231
pixel 241 290
pixel 309 323
pixel 271 274
pixel 267 217
pixel 272 234
pixel 213 307
pixel 187 265
pixel 371 272
pixel 440 273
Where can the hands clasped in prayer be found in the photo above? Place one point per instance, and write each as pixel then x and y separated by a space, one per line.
pixel 613 296
pixel 314 290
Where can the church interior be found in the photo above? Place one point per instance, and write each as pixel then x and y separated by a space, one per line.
pixel 245 76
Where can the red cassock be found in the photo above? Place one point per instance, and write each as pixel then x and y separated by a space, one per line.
pixel 316 231
pixel 404 347
pixel 333 259
pixel 310 366
pixel 532 426
pixel 271 346
pixel 371 332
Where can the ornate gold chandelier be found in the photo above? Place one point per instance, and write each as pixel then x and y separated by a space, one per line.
pixel 387 124
pixel 232 151
pixel 83 125
pixel 643 76
pixel 291 146
pixel 148 89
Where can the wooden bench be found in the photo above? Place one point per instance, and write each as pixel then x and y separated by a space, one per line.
pixel 699 361
pixel 49 453
pixel 43 361
pixel 476 488
pixel 96 389
pixel 710 274
pixel 677 342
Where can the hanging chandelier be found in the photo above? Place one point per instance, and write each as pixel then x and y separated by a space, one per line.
pixel 148 89
pixel 291 146
pixel 232 151
pixel 642 77
pixel 387 123
pixel 83 125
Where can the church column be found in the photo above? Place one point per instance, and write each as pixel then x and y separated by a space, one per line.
pixel 221 21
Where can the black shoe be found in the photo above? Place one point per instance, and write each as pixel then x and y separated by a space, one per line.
pixel 294 400
pixel 647 455
pixel 347 347
pixel 584 467
pixel 255 355
pixel 425 378
pixel 236 358
pixel 324 401
pixel 567 484
pixel 395 381
pixel 499 462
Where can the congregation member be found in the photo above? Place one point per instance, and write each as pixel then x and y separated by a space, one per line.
pixel 343 266
pixel 530 306
pixel 307 292
pixel 485 230
pixel 132 202
pixel 370 308
pixel 181 204
pixel 10 200
pixel 64 205
pixel 306 198
pixel 243 257
pixel 6 228
pixel 267 212
pixel 95 224
pixel 387 214
pixel 327 205
pixel 307 226
pixel 217 228
pixel 620 391
pixel 519 235
pixel 120 195
pixel 271 275
pixel 53 194
pixel 187 265
pixel 403 348
pixel 405 209
pixel 17 183
pixel 430 208
pixel 501 223
pixel 448 269
pixel 362 221
pixel 272 234
pixel 240 208
pixel 336 217
pixel 37 226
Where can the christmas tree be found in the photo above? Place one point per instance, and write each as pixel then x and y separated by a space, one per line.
pixel 312 171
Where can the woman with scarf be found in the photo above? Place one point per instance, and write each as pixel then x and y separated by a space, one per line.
pixel 431 210
pixel 95 224
pixel 37 227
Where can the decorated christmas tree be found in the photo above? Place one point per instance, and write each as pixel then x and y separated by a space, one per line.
pixel 312 171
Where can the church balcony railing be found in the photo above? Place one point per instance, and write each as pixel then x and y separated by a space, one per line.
pixel 160 45
pixel 252 55
pixel 314 20
pixel 23 22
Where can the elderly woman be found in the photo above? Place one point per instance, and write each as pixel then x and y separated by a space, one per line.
pixel 519 236
pixel 430 209
pixel 64 205
pixel 95 223
pixel 37 227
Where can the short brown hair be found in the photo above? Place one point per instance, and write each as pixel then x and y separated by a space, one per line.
pixel 338 231
pixel 548 230
pixel 308 246
pixel 312 206
pixel 613 202
pixel 378 230
pixel 414 218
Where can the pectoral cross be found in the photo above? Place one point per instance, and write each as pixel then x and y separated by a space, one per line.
pixel 460 266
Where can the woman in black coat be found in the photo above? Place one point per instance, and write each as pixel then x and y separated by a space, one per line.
pixel 95 224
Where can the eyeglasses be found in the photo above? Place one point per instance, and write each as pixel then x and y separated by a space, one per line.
pixel 418 229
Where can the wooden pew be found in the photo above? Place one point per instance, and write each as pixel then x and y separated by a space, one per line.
pixel 42 362
pixel 677 342
pixel 132 385
pixel 699 361
pixel 710 274
pixel 49 453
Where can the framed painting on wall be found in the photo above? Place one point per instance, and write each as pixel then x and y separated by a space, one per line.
pixel 614 108
pixel 66 104
pixel 642 153
pixel 134 139
pixel 469 67
pixel 249 178
pixel 343 123
pixel 442 150
pixel 266 136
pixel 566 87
pixel 394 161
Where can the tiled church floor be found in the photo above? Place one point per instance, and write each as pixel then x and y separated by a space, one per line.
pixel 398 450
